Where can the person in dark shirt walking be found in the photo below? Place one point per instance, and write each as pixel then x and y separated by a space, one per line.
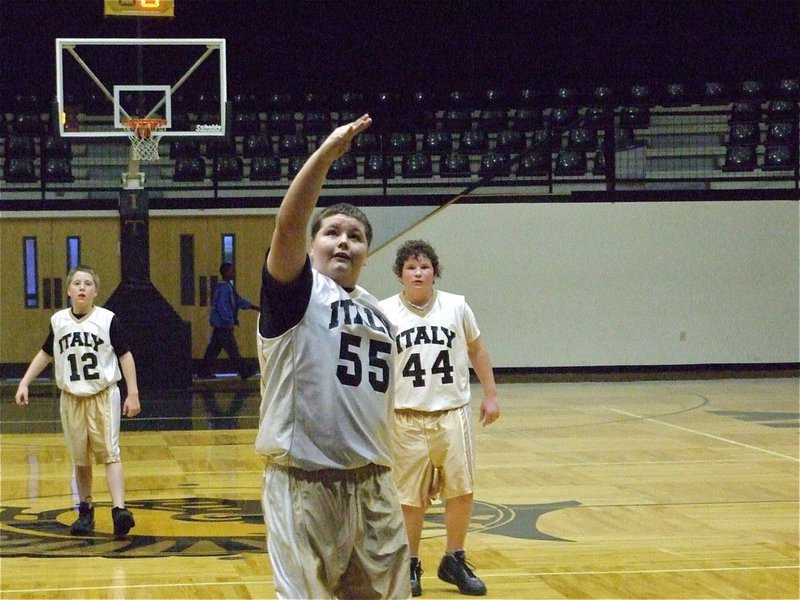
pixel 225 306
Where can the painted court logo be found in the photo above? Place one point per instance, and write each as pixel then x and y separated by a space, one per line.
pixel 210 527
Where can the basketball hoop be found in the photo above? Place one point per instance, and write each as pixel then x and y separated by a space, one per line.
pixel 144 135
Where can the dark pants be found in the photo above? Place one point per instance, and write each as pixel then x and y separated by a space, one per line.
pixel 224 339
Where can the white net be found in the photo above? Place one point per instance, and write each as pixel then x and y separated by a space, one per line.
pixel 144 135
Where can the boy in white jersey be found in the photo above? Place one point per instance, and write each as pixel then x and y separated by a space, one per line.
pixel 87 345
pixel 436 338
pixel 335 527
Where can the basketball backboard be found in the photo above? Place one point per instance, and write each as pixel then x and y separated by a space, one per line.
pixel 102 83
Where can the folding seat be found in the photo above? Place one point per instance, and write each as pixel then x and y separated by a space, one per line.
pixel 570 162
pixel 474 142
pixel 422 112
pixel 527 119
pixel 401 143
pixel 57 148
pixel 437 142
pixel 567 96
pixel 295 164
pixel 789 89
pixel 245 123
pixel 752 89
pixel 563 117
pixel 780 111
pixel 456 120
pixel 316 122
pixel 582 138
pixel 624 139
pixel 675 94
pixel 780 133
pixel 455 164
pixel 257 144
pixel 741 134
pixel 365 143
pixel 27 123
pixel 20 146
pixel 602 95
pixel 494 164
pixel 377 166
pixel 352 101
pixel 595 117
pixel 183 149
pixel 281 123
pixel 779 158
pixel 20 170
pixel 57 170
pixel 547 138
pixel 265 168
pixel 280 102
pixel 740 158
pixel 634 117
pixel 190 168
pixel 292 145
pixel 228 168
pixel 641 95
pixel 535 163
pixel 714 93
pixel 493 120
pixel 510 141
pixel 344 167
pixel 417 165
pixel 745 111
pixel 528 98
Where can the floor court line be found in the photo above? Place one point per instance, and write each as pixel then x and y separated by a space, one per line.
pixel 488 577
pixel 704 434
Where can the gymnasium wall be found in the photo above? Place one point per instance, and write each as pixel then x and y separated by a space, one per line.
pixel 605 284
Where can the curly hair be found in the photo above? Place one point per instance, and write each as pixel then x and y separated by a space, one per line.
pixel 416 248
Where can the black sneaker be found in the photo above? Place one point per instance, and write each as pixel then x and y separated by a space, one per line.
pixel 454 569
pixel 123 520
pixel 84 524
pixel 416 573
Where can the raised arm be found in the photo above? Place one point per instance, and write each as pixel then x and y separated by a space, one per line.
pixel 288 250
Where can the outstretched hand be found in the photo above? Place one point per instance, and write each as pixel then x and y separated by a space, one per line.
pixel 338 142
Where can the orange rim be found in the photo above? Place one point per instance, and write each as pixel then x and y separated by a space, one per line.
pixel 143 128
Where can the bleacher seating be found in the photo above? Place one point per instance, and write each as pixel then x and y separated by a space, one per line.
pixel 376 166
pixel 709 132
pixel 265 168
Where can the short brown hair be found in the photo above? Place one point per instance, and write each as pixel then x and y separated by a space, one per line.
pixel 342 208
pixel 84 269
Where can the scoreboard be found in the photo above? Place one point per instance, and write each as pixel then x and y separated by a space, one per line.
pixel 139 8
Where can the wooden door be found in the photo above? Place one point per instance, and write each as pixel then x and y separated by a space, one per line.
pixel 185 255
pixel 25 307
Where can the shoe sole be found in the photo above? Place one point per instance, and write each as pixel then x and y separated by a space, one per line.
pixel 80 531
pixel 123 525
pixel 452 580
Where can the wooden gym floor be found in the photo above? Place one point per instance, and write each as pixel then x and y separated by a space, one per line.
pixel 639 489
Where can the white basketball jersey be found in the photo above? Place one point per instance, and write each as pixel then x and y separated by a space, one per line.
pixel 327 384
pixel 83 357
pixel 432 368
